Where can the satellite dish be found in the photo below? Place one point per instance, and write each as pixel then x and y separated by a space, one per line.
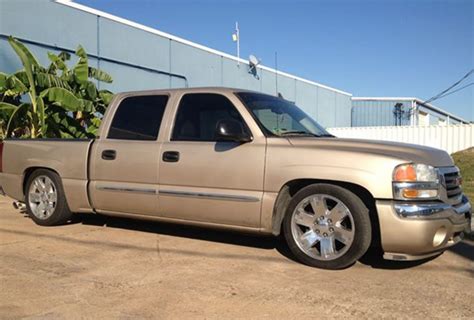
pixel 253 61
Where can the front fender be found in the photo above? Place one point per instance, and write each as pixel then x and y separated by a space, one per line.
pixel 379 184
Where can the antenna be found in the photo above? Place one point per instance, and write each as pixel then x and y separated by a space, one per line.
pixel 236 38
pixel 276 72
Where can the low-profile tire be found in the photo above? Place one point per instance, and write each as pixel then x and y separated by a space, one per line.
pixel 327 226
pixel 45 199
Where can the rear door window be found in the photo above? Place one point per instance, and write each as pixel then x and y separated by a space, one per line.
pixel 138 118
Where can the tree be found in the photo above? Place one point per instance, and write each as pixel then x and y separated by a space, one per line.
pixel 54 101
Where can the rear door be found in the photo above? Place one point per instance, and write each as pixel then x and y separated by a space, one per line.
pixel 124 161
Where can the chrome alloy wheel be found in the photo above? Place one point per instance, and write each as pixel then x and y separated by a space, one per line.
pixel 42 197
pixel 322 227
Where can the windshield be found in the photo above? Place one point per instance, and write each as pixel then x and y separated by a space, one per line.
pixel 280 117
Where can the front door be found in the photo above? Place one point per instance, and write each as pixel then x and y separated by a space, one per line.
pixel 124 162
pixel 204 180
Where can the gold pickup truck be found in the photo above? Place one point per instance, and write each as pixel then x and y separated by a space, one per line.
pixel 242 160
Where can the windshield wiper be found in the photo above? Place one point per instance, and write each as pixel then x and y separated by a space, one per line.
pixel 306 133
pixel 326 135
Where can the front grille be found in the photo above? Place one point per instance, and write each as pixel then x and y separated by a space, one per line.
pixel 453 186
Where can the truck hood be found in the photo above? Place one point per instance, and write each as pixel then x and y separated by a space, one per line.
pixel 395 150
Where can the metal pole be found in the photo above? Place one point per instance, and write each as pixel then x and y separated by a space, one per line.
pixel 276 72
pixel 237 31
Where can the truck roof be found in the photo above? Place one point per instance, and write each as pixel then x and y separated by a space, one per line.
pixel 182 90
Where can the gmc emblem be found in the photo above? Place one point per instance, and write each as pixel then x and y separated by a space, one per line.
pixel 457 181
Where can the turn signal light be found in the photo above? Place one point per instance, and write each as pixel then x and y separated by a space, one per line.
pixel 404 173
pixel 410 193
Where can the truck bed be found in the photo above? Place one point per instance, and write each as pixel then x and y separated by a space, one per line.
pixel 68 157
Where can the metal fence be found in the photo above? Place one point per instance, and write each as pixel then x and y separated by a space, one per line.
pixel 451 138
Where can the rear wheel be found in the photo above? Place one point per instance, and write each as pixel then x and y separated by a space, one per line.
pixel 45 200
pixel 327 226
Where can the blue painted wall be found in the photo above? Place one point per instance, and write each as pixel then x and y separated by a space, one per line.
pixel 51 24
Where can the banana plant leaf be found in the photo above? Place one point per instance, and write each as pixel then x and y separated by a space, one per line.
pixel 3 81
pixel 100 75
pixel 90 90
pixel 64 98
pixel 81 69
pixel 15 86
pixel 57 62
pixel 27 59
pixel 64 56
pixel 7 107
pixel 12 116
pixel 11 86
pixel 46 80
pixel 106 96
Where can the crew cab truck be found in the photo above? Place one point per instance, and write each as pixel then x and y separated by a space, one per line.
pixel 242 160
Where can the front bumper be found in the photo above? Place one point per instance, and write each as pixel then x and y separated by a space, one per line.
pixel 413 231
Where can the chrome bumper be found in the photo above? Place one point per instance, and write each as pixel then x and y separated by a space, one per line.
pixel 411 231
pixel 456 214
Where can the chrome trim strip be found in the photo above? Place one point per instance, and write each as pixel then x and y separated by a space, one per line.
pixel 204 195
pixel 398 187
pixel 427 210
pixel 417 185
pixel 130 190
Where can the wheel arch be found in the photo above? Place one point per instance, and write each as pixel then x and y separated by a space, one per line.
pixel 29 171
pixel 290 188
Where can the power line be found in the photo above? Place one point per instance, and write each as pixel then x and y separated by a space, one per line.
pixel 463 87
pixel 439 95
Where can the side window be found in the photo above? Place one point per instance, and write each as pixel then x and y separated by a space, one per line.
pixel 138 118
pixel 198 115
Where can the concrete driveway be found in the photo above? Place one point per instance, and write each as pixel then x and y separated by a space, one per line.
pixel 118 268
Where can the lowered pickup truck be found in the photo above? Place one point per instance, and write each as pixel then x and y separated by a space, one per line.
pixel 247 161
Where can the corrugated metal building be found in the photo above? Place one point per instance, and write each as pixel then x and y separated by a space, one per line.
pixel 385 111
pixel 139 57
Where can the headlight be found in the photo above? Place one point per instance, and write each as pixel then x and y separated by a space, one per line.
pixel 415 173
pixel 415 181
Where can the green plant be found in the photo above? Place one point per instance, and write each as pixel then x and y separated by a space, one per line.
pixel 465 162
pixel 54 101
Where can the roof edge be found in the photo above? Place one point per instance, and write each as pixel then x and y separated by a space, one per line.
pixel 446 113
pixel 383 98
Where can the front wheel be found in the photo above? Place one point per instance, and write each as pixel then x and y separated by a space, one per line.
pixel 45 200
pixel 327 226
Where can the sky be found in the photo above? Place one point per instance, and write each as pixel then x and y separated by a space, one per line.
pixel 391 48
